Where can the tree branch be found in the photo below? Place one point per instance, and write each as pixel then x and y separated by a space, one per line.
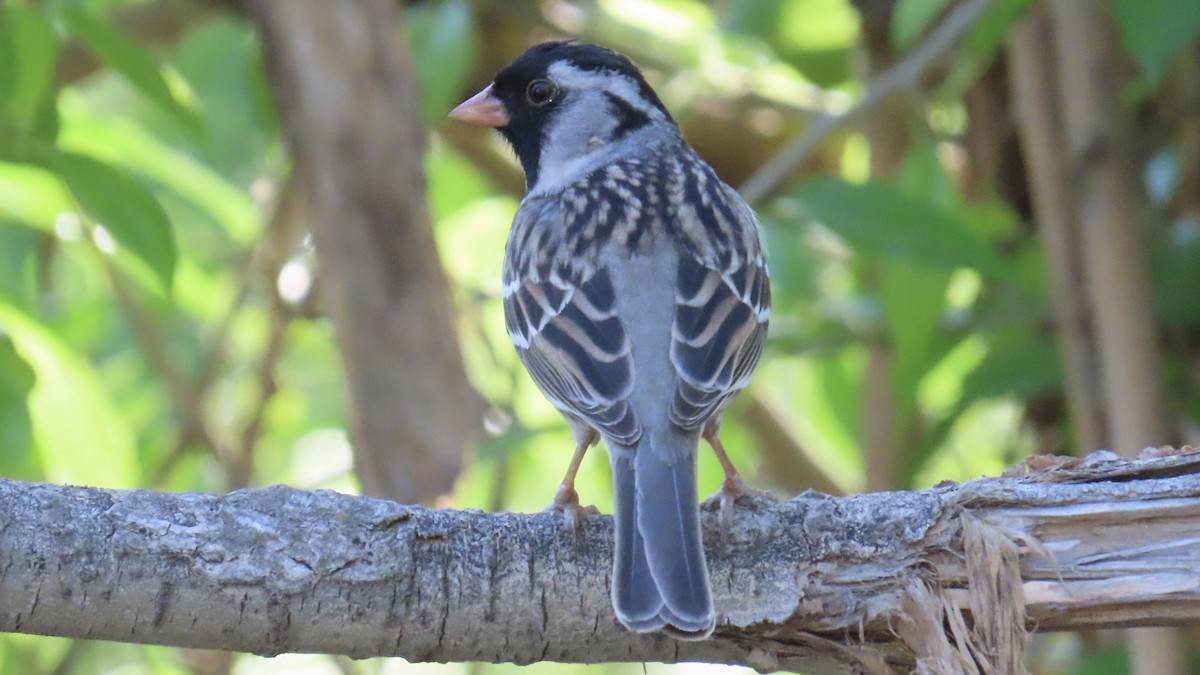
pixel 868 583
pixel 1036 94
pixel 904 74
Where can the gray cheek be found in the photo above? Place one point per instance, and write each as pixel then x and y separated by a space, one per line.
pixel 583 124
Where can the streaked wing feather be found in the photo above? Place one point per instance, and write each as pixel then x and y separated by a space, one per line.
pixel 576 350
pixel 720 326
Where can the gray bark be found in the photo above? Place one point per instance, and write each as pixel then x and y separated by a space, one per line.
pixel 869 583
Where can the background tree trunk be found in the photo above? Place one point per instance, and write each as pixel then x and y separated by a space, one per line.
pixel 1115 264
pixel 344 86
pixel 1035 93
pixel 887 127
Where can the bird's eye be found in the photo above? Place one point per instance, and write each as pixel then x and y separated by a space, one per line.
pixel 540 92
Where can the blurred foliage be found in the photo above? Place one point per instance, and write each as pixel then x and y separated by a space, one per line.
pixel 139 290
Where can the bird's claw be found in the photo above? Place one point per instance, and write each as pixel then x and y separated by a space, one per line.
pixel 725 499
pixel 566 502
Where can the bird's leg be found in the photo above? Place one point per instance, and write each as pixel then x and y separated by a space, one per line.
pixel 566 499
pixel 733 487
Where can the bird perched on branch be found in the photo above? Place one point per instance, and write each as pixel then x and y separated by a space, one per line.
pixel 636 292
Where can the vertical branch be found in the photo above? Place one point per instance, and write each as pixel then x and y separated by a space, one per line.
pixel 344 87
pixel 886 127
pixel 1035 91
pixel 1107 198
pixel 287 226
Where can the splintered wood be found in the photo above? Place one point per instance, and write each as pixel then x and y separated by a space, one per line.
pixel 1074 543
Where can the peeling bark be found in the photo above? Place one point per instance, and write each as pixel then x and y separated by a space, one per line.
pixel 871 583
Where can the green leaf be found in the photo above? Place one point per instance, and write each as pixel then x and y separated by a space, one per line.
pixel 993 218
pixel 755 18
pixel 793 268
pixel 126 209
pixel 1018 364
pixel 28 54
pixel 16 428
pixel 829 391
pixel 913 302
pixel 911 18
pixel 1156 31
pixel 126 57
pixel 1175 279
pixel 1110 660
pixel 444 49
pixel 8 58
pixel 818 25
pixel 991 29
pixel 79 431
pixel 18 256
pixel 826 68
pixel 221 60
pixel 122 143
pixel 923 174
pixel 454 182
pixel 32 195
pixel 885 221
pixel 840 384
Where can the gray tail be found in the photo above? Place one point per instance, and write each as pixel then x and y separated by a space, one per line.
pixel 660 577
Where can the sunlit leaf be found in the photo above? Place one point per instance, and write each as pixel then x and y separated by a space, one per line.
pixel 33 196
pixel 222 61
pixel 675 22
pixel 1156 31
pixel 940 392
pixel 126 209
pixel 472 241
pixel 444 49
pixel 981 440
pixel 80 433
pixel 125 56
pixel 829 392
pixel 914 299
pixel 125 144
pixel 819 24
pixel 28 52
pixel 884 220
pixel 454 182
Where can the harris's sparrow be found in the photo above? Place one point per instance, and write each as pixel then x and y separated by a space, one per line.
pixel 636 292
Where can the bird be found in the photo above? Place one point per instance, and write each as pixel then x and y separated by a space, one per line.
pixel 636 291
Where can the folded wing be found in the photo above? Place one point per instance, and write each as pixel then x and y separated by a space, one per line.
pixel 720 326
pixel 570 338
